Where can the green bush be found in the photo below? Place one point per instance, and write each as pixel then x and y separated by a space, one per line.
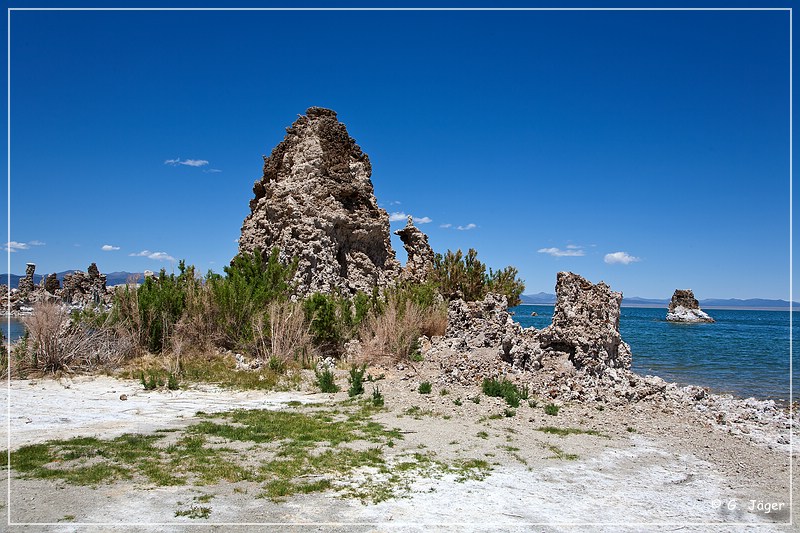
pixel 356 380
pixel 551 409
pixel 326 381
pixel 504 389
pixel 334 319
pixel 377 397
pixel 250 283
pixel 425 387
pixel 463 276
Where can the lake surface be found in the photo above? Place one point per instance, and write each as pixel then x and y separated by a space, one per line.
pixel 744 352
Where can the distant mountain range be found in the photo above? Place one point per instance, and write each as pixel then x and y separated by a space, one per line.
pixel 540 298
pixel 112 278
pixel 544 298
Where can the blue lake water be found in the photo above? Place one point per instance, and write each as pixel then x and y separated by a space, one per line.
pixel 744 352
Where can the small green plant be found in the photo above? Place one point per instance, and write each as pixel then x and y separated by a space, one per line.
pixel 509 412
pixel 425 387
pixel 444 392
pixel 502 389
pixel 630 429
pixel 551 409
pixel 326 381
pixel 150 382
pixel 277 365
pixel 476 399
pixel 195 511
pixel 356 380
pixel 532 403
pixel 457 402
pixel 483 435
pixel 377 397
pixel 172 382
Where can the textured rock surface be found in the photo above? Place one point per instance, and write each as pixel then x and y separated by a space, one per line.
pixel 586 325
pixel 581 356
pixel 315 201
pixel 420 253
pixel 85 287
pixel 51 283
pixel 684 307
pixel 26 284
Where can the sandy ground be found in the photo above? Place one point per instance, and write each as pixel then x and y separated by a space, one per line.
pixel 654 469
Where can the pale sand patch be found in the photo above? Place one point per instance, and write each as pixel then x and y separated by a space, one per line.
pixel 668 474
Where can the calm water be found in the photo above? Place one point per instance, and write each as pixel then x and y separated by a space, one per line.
pixel 743 352
pixel 16 331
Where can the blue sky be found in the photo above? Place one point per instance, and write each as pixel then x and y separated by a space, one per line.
pixel 646 149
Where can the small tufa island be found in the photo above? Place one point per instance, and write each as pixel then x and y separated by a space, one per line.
pixel 684 307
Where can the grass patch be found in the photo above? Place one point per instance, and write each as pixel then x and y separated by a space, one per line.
pixel 563 432
pixel 425 387
pixel 561 454
pixel 506 390
pixel 483 435
pixel 551 409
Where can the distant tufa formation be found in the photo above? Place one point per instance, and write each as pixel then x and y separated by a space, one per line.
pixel 315 202
pixel 684 307
pixel 420 253
pixel 80 288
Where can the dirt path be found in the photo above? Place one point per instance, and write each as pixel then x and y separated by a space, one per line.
pixel 632 468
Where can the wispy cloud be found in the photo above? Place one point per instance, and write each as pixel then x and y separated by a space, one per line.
pixel 445 225
pixel 14 246
pixel 211 170
pixel 109 248
pixel 157 256
pixel 399 216
pixel 186 162
pixel 622 258
pixel 571 251
pixel 467 227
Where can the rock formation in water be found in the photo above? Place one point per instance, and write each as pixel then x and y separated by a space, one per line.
pixel 315 202
pixel 684 307
pixel 420 253
pixel 85 287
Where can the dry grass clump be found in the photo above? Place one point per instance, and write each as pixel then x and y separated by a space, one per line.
pixel 394 333
pixel 56 342
pixel 283 334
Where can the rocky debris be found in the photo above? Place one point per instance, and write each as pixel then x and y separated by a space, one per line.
pixel 420 253
pixel 586 325
pixel 581 356
pixel 684 307
pixel 85 287
pixel 79 289
pixel 51 283
pixel 26 284
pixel 315 202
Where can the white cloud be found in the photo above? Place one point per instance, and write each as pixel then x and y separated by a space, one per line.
pixel 467 227
pixel 157 256
pixel 557 252
pixel 622 258
pixel 445 225
pixel 573 247
pixel 212 170
pixel 109 248
pixel 187 162
pixel 399 216
pixel 13 246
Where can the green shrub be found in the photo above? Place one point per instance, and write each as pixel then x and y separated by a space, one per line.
pixel 172 381
pixel 502 389
pixel 509 412
pixel 463 276
pixel 377 397
pixel 326 381
pixel 250 283
pixel 356 380
pixel 425 387
pixel 551 409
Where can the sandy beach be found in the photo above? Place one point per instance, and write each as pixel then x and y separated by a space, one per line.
pixel 639 466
